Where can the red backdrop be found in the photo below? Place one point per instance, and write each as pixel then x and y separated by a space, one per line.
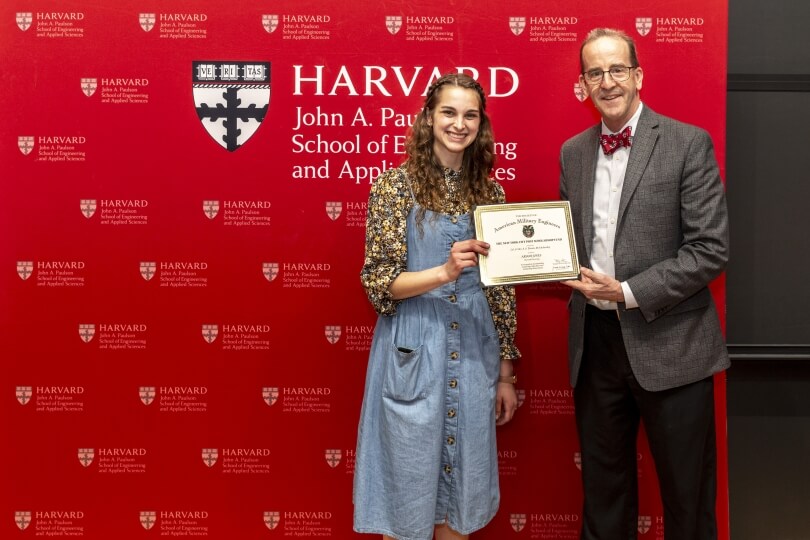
pixel 182 321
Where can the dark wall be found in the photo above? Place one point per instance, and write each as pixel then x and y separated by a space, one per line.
pixel 768 278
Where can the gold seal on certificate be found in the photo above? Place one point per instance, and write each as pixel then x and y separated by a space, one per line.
pixel 528 242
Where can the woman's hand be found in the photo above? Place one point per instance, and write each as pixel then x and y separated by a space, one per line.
pixel 463 255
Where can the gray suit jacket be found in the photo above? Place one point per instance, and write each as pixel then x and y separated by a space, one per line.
pixel 671 241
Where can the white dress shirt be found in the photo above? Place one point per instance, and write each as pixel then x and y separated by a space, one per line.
pixel 607 193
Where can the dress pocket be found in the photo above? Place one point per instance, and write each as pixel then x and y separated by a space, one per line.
pixel 407 374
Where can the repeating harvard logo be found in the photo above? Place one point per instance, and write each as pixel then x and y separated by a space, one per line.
pixel 148 270
pixel 147 394
pixel 24 394
pixel 25 269
pixel 24 20
pixel 270 271
pixel 148 519
pixel 518 521
pixel 22 519
pixel 231 99
pixel 521 396
pixel 89 86
pixel 88 207
pixel 578 460
pixel 643 25
pixel 332 334
pixel 210 209
pixel 393 23
pixel 86 456
pixel 210 332
pixel 270 23
pixel 86 332
pixel 644 524
pixel 333 209
pixel 147 21
pixel 270 395
pixel 210 456
pixel 332 457
pixel 272 519
pixel 580 92
pixel 517 25
pixel 25 143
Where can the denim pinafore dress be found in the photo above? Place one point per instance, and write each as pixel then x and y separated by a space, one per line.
pixel 426 449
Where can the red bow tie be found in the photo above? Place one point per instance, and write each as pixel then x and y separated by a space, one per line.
pixel 610 143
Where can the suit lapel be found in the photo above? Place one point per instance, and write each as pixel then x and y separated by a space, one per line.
pixel 589 155
pixel 643 144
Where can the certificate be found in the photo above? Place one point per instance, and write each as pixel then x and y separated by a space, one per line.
pixel 528 242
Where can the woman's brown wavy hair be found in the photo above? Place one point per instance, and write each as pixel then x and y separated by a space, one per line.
pixel 424 169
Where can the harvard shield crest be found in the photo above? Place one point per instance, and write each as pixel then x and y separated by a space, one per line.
pixel 517 25
pixel 272 519
pixel 332 457
pixel 270 271
pixel 88 207
pixel 578 460
pixel 25 269
pixel 518 521
pixel 210 332
pixel 334 209
pixel 22 519
pixel 643 25
pixel 148 519
pixel 24 394
pixel 26 144
pixel 86 456
pixel 270 395
pixel 24 20
pixel 270 23
pixel 89 85
pixel 231 99
pixel 147 394
pixel 86 332
pixel 210 456
pixel 580 92
pixel 147 21
pixel 644 524
pixel 393 23
pixel 332 334
pixel 211 209
pixel 148 269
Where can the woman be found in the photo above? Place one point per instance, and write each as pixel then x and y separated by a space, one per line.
pixel 440 374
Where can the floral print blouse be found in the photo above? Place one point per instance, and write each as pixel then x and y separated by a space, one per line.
pixel 389 203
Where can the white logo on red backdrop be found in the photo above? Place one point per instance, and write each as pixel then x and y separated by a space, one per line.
pixel 521 396
pixel 22 519
pixel 393 23
pixel 580 92
pixel 86 456
pixel 517 25
pixel 148 519
pixel 334 209
pixel 147 21
pixel 147 394
pixel 24 394
pixel 643 25
pixel 211 208
pixel 88 207
pixel 89 86
pixel 86 332
pixel 578 460
pixel 270 23
pixel 270 395
pixel 332 334
pixel 210 456
pixel 25 269
pixel 272 519
pixel 518 521
pixel 231 99
pixel 270 271
pixel 332 457
pixel 25 144
pixel 644 524
pixel 24 20
pixel 148 270
pixel 210 332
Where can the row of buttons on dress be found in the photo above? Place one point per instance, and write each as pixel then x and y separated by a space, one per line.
pixel 451 413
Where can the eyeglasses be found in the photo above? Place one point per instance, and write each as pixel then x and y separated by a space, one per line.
pixel 617 73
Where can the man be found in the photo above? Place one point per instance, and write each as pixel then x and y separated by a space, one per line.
pixel 651 228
